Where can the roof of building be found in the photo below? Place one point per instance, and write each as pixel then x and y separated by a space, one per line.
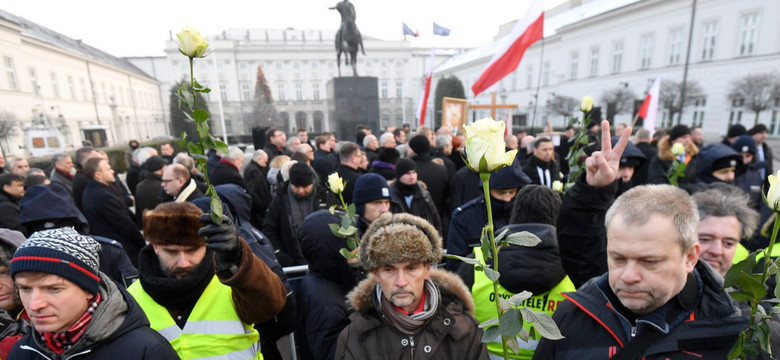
pixel 51 37
pixel 552 25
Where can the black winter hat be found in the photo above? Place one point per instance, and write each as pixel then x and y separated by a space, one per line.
pixel 736 130
pixel 420 144
pixel 678 132
pixel 508 177
pixel 154 163
pixel 301 174
pixel 389 155
pixel 745 143
pixel 404 166
pixel 370 187
pixel 62 252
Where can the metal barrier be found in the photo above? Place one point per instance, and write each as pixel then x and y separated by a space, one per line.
pixel 294 276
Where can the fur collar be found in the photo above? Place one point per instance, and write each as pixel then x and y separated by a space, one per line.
pixel 665 149
pixel 360 298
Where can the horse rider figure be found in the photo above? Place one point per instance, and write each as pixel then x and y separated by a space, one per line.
pixel 347 11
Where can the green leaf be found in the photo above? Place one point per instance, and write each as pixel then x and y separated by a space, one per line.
pixel 194 148
pixel 503 303
pixel 736 349
pixel 490 335
pixel 740 296
pixel 351 243
pixel 517 299
pixel 332 209
pixel 216 209
pixel 543 323
pixel 777 285
pixel 334 228
pixel 491 274
pixel 183 141
pixel 501 235
pixel 199 157
pixel 524 334
pixel 351 211
pixel 490 322
pixel 221 147
pixel 513 345
pixel 347 254
pixel 511 323
pixel 751 286
pixel 200 115
pixel 484 244
pixel 750 348
pixel 733 273
pixel 347 231
pixel 345 221
pixel 465 259
pixel 483 165
pixel 523 238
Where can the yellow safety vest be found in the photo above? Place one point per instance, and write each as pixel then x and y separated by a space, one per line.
pixel 213 329
pixel 485 307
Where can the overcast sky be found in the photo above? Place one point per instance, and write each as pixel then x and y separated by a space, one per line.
pixel 141 27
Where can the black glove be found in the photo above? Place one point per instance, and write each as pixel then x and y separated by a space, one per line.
pixel 223 239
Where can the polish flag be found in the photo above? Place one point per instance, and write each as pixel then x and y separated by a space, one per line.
pixel 427 91
pixel 649 107
pixel 526 32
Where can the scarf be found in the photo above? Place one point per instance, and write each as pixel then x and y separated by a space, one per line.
pixel 226 161
pixel 409 324
pixel 186 191
pixel 67 175
pixel 543 170
pixel 177 294
pixel 406 190
pixel 300 206
pixel 61 342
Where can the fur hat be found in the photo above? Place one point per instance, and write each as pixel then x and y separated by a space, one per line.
pixel 394 238
pixel 172 223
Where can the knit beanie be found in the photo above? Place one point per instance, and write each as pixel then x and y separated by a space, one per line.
pixel 301 175
pixel 370 187
pixel 679 131
pixel 745 144
pixel 394 238
pixel 508 177
pixel 172 223
pixel 404 166
pixel 63 252
pixel 736 130
pixel 420 144
pixel 154 163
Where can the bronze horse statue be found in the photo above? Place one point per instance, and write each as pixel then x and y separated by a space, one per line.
pixel 347 37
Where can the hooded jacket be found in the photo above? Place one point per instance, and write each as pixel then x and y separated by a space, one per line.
pixel 322 309
pixel 451 333
pixel 118 330
pixel 705 322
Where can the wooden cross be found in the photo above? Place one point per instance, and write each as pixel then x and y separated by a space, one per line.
pixel 493 106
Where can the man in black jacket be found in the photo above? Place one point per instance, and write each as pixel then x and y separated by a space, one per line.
pixel 288 209
pixel 433 175
pixel 11 190
pixel 541 167
pixel 179 185
pixel 148 192
pixel 409 196
pixel 275 140
pixel 257 184
pixel 323 163
pixel 106 213
pixel 351 157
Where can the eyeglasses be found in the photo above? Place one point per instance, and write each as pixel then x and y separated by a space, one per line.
pixel 165 181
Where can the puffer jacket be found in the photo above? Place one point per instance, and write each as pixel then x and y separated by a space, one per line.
pixel 451 333
pixel 119 330
pixel 593 329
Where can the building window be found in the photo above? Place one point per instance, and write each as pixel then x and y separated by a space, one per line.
pixel 399 89
pixel 242 65
pixel 710 35
pixel 315 90
pixel 645 51
pixel 296 65
pixel 594 61
pixel 298 91
pixel 11 73
pixel 314 64
pixel 223 92
pixel 546 74
pixel 617 56
pixel 34 81
pixel 278 64
pixel 675 46
pixel 83 89
pixel 574 62
pixel 246 91
pixel 72 87
pixel 748 32
pixel 228 126
pixel 369 63
pixel 280 92
pixel 529 77
pixel 384 89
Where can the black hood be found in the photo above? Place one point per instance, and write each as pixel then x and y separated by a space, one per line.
pixel 321 249
pixel 537 269
pixel 707 157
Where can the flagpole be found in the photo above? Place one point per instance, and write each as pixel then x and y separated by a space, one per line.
pixel 538 85
pixel 403 84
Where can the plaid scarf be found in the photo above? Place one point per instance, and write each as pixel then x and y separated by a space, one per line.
pixel 61 342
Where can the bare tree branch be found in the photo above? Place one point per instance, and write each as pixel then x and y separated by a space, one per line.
pixel 758 91
pixel 669 96
pixel 563 105
pixel 622 97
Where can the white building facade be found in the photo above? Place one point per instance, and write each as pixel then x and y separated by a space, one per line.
pixel 77 93
pixel 298 64
pixel 603 44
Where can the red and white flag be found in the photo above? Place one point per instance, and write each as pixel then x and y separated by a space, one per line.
pixel 649 108
pixel 526 32
pixel 427 91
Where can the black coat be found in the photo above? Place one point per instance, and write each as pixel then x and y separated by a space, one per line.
pixel 133 339
pixel 640 173
pixel 224 173
pixel 322 309
pixel 108 217
pixel 9 213
pixel 133 177
pixel 436 178
pixel 148 194
pixel 260 191
pixel 273 151
pixel 281 230
pixel 422 204
pixel 465 187
pixel 324 165
pixel 349 175
pixel 372 155
pixel 79 183
pixel 530 169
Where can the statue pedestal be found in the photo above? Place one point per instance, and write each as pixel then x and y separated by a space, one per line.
pixel 353 101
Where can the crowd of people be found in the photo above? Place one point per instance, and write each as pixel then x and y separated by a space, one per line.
pixel 628 266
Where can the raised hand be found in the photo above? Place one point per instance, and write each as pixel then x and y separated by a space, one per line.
pixel 223 239
pixel 602 166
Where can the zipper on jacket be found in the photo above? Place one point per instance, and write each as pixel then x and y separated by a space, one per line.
pixel 25 347
pixel 633 331
pixel 411 345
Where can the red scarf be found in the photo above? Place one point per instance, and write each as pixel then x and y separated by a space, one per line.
pixel 61 342
pixel 420 308
pixel 65 174
pixel 226 161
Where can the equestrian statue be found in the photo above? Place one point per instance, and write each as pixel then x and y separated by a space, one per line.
pixel 348 37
